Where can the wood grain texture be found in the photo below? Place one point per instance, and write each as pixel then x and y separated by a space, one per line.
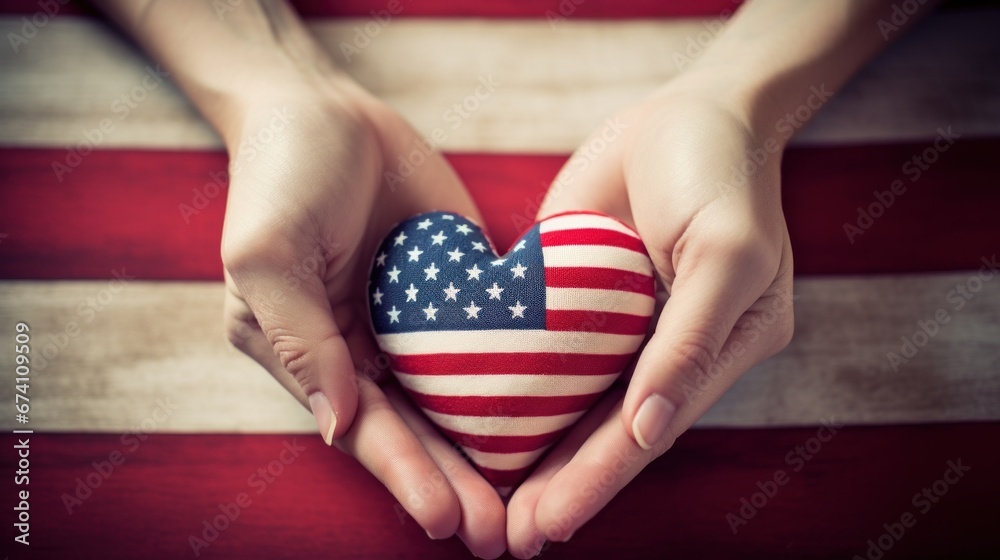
pixel 162 341
pixel 123 208
pixel 554 83
pixel 325 505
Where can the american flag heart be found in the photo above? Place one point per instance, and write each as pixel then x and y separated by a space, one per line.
pixel 504 354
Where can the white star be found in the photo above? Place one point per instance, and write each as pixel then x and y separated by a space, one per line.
pixel 415 254
pixel 431 272
pixel 394 275
pixel 377 297
pixel 451 291
pixel 431 311
pixel 498 262
pixel 439 238
pixel 380 259
pixel 494 291
pixel 425 224
pixel 519 270
pixel 393 315
pixel 519 246
pixel 411 294
pixel 477 246
pixel 474 272
pixel 463 229
pixel 447 217
pixel 455 255
pixel 400 238
pixel 472 310
pixel 517 310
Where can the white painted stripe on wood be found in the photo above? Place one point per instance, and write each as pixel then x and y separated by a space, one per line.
pixel 530 340
pixel 553 86
pixel 160 344
pixel 486 385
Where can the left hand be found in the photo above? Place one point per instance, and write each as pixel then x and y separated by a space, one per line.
pixel 670 166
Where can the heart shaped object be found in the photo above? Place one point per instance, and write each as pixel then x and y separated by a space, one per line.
pixel 504 354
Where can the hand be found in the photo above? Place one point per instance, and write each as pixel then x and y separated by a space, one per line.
pixel 717 237
pixel 308 205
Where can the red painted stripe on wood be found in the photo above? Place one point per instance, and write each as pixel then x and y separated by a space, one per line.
pixel 122 208
pixel 537 363
pixel 549 9
pixel 592 237
pixel 595 321
pixel 552 10
pixel 324 504
pixel 513 406
pixel 598 279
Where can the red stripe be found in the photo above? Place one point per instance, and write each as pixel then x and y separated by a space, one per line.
pixel 509 406
pixel 598 279
pixel 592 236
pixel 504 478
pixel 540 363
pixel 595 321
pixel 504 444
pixel 550 9
pixel 120 208
pixel 152 504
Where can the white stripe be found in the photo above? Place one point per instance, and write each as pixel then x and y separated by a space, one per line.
pixel 502 340
pixel 597 256
pixel 585 221
pixel 504 461
pixel 502 425
pixel 512 385
pixel 590 299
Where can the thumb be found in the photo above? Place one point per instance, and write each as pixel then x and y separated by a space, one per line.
pixel 709 294
pixel 305 343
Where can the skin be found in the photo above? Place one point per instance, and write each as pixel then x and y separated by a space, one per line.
pixel 307 207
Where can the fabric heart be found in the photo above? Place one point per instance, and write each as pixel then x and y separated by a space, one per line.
pixel 504 354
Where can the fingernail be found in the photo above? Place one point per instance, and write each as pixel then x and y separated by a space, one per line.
pixel 326 420
pixel 651 420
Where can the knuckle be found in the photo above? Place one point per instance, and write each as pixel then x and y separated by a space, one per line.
pixel 695 354
pixel 293 351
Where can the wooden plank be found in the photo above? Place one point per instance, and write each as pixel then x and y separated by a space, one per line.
pixel 324 504
pixel 66 80
pixel 121 207
pixel 155 342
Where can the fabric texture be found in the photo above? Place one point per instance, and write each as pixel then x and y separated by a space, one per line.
pixel 504 354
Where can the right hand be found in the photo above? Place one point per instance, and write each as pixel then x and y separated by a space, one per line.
pixel 307 206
